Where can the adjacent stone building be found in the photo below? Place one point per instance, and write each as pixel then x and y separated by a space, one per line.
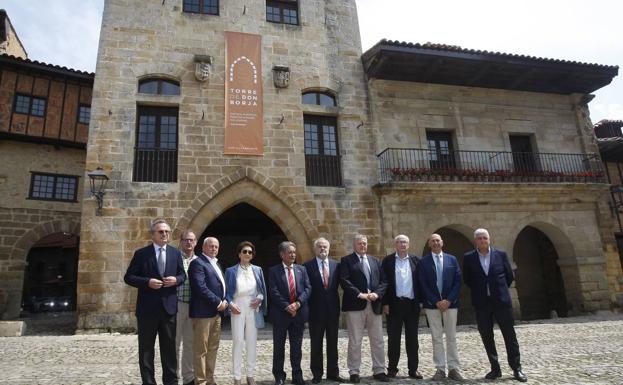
pixel 44 120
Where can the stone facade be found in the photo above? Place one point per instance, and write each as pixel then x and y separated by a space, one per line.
pixel 323 53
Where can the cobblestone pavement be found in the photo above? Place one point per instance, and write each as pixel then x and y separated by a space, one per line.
pixel 580 350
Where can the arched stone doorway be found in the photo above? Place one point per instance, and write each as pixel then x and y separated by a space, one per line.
pixel 50 277
pixel 243 222
pixel 539 281
pixel 457 243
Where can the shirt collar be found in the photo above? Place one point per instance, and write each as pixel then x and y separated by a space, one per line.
pixel 320 260
pixel 287 267
pixel 360 256
pixel 215 260
pixel 401 258
pixel 484 255
pixel 157 248
pixel 191 256
pixel 440 254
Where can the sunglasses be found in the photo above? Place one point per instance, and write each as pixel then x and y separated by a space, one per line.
pixel 164 231
pixel 246 251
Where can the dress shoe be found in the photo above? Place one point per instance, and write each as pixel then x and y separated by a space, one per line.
pixel 455 375
pixel 250 381
pixel 316 380
pixel 191 382
pixel 519 376
pixel 280 381
pixel 493 374
pixel 381 377
pixel 416 374
pixel 336 378
pixel 354 378
pixel 237 382
pixel 439 375
pixel 392 372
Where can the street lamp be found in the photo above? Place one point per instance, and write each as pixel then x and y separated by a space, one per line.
pixel 98 180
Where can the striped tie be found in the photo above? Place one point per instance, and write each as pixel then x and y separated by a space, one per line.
pixel 291 285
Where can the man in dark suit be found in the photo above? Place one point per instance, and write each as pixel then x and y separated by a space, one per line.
pixel 156 270
pixel 439 277
pixel 401 305
pixel 324 311
pixel 488 274
pixel 364 284
pixel 289 291
pixel 207 304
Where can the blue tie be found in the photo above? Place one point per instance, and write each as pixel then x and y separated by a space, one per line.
pixel 439 271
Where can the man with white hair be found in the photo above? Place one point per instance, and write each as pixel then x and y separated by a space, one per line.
pixel 488 274
pixel 364 284
pixel 401 305
pixel 324 311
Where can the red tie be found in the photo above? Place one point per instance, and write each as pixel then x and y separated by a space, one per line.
pixel 325 274
pixel 291 285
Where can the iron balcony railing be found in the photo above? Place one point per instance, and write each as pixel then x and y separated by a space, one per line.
pixel 155 165
pixel 323 170
pixel 409 164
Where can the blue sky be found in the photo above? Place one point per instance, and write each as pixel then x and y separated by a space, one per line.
pixel 66 32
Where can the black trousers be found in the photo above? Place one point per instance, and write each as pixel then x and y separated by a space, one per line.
pixel 504 318
pixel 293 331
pixel 403 312
pixel 317 330
pixel 162 325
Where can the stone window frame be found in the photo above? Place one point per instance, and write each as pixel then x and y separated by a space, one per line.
pixel 84 113
pixel 281 6
pixel 36 106
pixel 213 9
pixel 318 96
pixel 67 193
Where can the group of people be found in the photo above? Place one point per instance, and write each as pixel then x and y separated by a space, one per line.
pixel 182 298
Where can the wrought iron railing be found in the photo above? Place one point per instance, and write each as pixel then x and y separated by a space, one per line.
pixel 408 164
pixel 323 170
pixel 155 165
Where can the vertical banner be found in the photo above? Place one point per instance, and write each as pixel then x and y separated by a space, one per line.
pixel 244 112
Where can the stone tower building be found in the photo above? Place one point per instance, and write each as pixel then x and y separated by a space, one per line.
pixel 159 43
pixel 324 141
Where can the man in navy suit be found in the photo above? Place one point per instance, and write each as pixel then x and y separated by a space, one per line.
pixel 364 284
pixel 488 274
pixel 207 304
pixel 324 311
pixel 401 305
pixel 289 291
pixel 156 270
pixel 439 277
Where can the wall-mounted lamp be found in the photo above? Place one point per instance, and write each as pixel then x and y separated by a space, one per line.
pixel 98 179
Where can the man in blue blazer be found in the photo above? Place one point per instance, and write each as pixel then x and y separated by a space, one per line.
pixel 207 304
pixel 156 270
pixel 289 291
pixel 440 284
pixel 364 284
pixel 488 274
pixel 401 305
pixel 324 311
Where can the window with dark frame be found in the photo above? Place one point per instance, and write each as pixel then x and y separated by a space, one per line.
pixel 322 159
pixel 84 114
pixel 155 153
pixel 209 7
pixel 30 105
pixel 440 150
pixel 319 98
pixel 157 86
pixel 282 11
pixel 53 187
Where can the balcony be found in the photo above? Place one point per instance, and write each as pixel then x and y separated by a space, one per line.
pixel 420 165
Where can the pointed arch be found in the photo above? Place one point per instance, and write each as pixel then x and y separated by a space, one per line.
pixel 249 186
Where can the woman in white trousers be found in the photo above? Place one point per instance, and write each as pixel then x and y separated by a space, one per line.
pixel 246 295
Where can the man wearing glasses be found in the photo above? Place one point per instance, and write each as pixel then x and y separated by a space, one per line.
pixel 184 332
pixel 156 270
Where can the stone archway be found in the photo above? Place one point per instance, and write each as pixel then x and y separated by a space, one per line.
pixel 248 186
pixel 540 276
pixel 12 278
pixel 457 241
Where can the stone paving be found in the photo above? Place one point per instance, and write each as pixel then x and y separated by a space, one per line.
pixel 580 350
